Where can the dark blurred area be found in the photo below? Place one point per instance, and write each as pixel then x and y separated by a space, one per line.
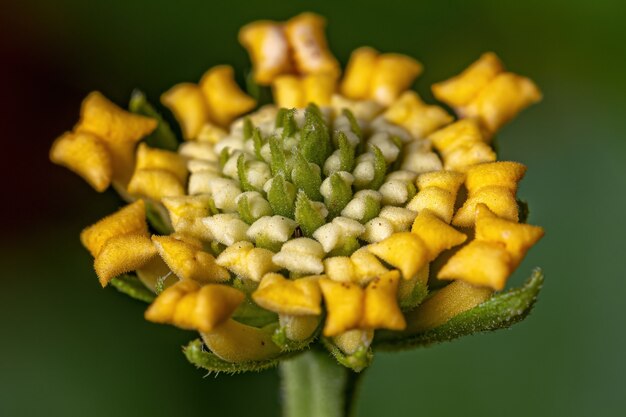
pixel 69 348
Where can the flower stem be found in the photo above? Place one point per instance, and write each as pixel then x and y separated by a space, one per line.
pixel 315 385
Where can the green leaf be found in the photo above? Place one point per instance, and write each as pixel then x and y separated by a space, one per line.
pixel 281 198
pixel 133 287
pixel 306 216
pixel 162 137
pixel 280 116
pixel 306 177
pixel 346 153
pixel 340 195
pixel 195 354
pixel 158 218
pixel 358 361
pixel 500 311
pixel 243 208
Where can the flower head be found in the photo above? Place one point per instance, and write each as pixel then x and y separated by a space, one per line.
pixel 340 214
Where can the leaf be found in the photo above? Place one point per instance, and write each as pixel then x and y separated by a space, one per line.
pixel 278 161
pixel 133 287
pixel 195 354
pixel 354 125
pixel 358 361
pixel 162 137
pixel 500 311
pixel 158 218
pixel 315 144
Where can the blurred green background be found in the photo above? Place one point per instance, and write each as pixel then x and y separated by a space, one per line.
pixel 69 348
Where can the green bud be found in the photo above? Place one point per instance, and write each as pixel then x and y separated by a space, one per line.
pixel 340 195
pixel 306 177
pixel 315 143
pixel 243 208
pixel 248 128
pixel 224 156
pixel 289 123
pixel 354 125
pixel 349 246
pixel 278 163
pixel 372 209
pixel 281 197
pixel 308 218
pixel 258 143
pixel 133 287
pixel 280 116
pixel 242 173
pixel 346 153
pixel 380 169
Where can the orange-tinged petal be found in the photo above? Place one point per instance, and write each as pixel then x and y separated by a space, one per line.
pixel 130 219
pixel 479 263
pixel 188 104
pixel 381 310
pixel 405 251
pixel 122 254
pixel 86 155
pixel 225 99
pixel 297 297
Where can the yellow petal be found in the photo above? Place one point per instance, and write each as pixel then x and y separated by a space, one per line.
pixel 405 251
pixel 381 310
pixel 294 297
pixel 267 45
pixel 420 119
pixel 359 71
pixel 461 89
pixel 237 342
pixel 435 199
pixel 445 304
pixel 500 200
pixel 517 238
pixel 340 269
pixel 455 134
pixel 305 34
pixel 187 103
pixel 502 99
pixel 106 120
pixel 344 305
pixel 155 184
pixel 211 133
pixel 86 155
pixel 122 254
pixel 479 263
pixel 188 261
pixel 366 266
pixel 298 328
pixel 187 206
pixel 153 158
pixel 246 261
pixel 392 75
pixel 436 234
pixel 468 154
pixel 446 180
pixel 225 99
pixel 288 92
pixel 163 307
pixel 319 88
pixel 131 219
pixel 155 270
pixel 505 174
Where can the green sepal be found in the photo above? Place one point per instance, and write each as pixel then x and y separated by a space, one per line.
pixel 358 361
pixel 262 94
pixel 158 219
pixel 257 139
pixel 278 161
pixel 346 153
pixel 350 245
pixel 372 209
pixel 289 123
pixel 280 197
pixel 380 169
pixel 287 345
pixel 306 216
pixel 162 137
pixel 415 297
pixel 263 242
pixel 243 208
pixel 306 177
pixel 340 195
pixel 198 356
pixel 242 173
pixel 133 287
pixel 224 157
pixel 251 314
pixel 280 116
pixel 499 312
pixel 315 143
pixel 248 128
pixel 354 125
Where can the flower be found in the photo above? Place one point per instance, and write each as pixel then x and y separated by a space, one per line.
pixel 339 214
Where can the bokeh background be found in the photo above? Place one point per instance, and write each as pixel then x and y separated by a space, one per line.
pixel 69 348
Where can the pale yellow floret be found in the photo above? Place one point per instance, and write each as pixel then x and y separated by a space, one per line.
pixel 466 155
pixel 295 297
pixel 188 260
pixel 444 304
pixel 381 310
pixel 85 154
pixel 334 234
pixel 505 174
pixel 377 229
pixel 301 256
pixel 226 228
pixel 480 263
pixel 461 89
pixel 360 267
pixel 437 235
pixel 153 158
pixel 399 217
pixel 267 45
pixel 130 219
pixel 405 251
pixel 187 206
pixel 199 150
pixel 462 145
pixel 121 254
pixel 211 133
pixel 435 199
pixel 419 118
pixel 500 200
pixel 193 307
pixel 272 228
pixel 340 269
pixel 246 261
pixel 361 109
pixel 237 342
pixel 352 341
pixel 187 103
pixel 155 184
pixel 225 99
pixel 298 328
pixel 446 180
pixel 305 34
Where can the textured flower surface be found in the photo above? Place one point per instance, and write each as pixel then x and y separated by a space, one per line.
pixel 347 214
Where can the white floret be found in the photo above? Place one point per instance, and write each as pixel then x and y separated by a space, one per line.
pixel 235 143
pixel 334 234
pixel 356 208
pixel 199 165
pixel 226 228
pixel 301 256
pixel 332 163
pixel 377 229
pixel 388 148
pixel 199 182
pixel 364 169
pixel 380 124
pixel 198 150
pixel 394 192
pixel 258 205
pixel 420 162
pixel 272 228
pixel 230 167
pixel 400 218
pixel 406 176
pixel 258 173
pixel 224 192
pixel 345 176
